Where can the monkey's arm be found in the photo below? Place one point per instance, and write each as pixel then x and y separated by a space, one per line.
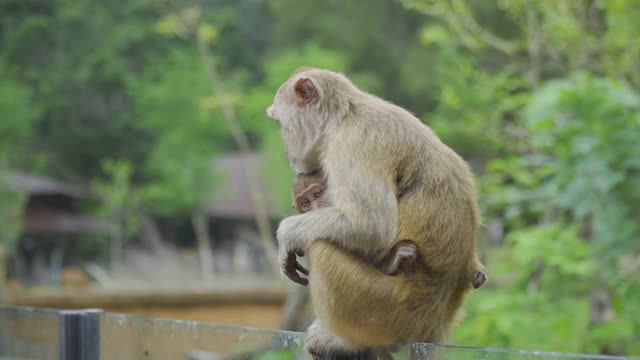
pixel 364 218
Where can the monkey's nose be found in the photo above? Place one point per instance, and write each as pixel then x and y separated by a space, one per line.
pixel 270 112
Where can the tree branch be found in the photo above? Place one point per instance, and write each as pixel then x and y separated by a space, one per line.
pixel 240 138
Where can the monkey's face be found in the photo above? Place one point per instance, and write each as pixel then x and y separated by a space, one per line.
pixel 279 104
pixel 311 198
pixel 294 100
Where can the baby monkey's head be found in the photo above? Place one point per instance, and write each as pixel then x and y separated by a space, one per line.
pixel 309 193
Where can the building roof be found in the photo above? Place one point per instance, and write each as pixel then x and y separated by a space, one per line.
pixel 48 221
pixel 53 220
pixel 39 185
pixel 232 197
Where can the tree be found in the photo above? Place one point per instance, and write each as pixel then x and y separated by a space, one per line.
pixel 16 129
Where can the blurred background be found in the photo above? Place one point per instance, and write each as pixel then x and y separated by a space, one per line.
pixel 139 173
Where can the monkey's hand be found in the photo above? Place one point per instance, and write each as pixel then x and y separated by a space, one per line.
pixel 291 267
pixel 289 248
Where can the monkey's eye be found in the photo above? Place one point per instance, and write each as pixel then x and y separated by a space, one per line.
pixel 304 203
pixel 317 193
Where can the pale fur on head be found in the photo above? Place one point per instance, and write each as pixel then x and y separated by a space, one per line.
pixel 303 126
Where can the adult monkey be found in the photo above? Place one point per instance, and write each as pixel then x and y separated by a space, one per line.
pixel 389 177
pixel 308 192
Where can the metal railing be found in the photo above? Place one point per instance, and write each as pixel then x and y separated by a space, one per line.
pixel 49 334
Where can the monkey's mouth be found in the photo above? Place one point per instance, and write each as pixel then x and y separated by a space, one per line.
pixel 277 121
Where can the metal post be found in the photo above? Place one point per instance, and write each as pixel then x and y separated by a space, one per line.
pixel 79 334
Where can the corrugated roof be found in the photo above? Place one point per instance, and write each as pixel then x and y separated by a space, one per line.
pixel 47 221
pixel 232 198
pixel 39 185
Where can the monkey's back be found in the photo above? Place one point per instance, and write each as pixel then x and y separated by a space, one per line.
pixel 437 210
pixel 437 206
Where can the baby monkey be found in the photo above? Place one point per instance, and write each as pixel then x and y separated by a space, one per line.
pixel 309 194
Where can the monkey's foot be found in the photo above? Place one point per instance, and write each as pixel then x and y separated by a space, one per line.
pixel 335 355
pixel 479 278
pixel 404 255
pixel 322 344
pixel 407 252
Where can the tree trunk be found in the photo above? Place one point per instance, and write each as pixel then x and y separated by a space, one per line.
pixel 241 140
pixel 293 310
pixel 3 268
pixel 534 45
pixel 150 234
pixel 205 253
pixel 117 245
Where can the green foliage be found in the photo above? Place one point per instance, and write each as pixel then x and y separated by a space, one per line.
pixel 514 319
pixel 580 169
pixel 541 97
pixel 120 200
pixel 528 309
pixel 76 67
pixel 174 106
pixel 277 355
pixel 562 153
pixel 12 203
pixel 119 206
pixel 16 126
pixel 473 101
pixel 19 115
pixel 589 127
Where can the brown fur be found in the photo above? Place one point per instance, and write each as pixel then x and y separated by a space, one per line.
pixel 401 256
pixel 389 177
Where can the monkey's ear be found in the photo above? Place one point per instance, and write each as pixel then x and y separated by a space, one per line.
pixel 306 92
